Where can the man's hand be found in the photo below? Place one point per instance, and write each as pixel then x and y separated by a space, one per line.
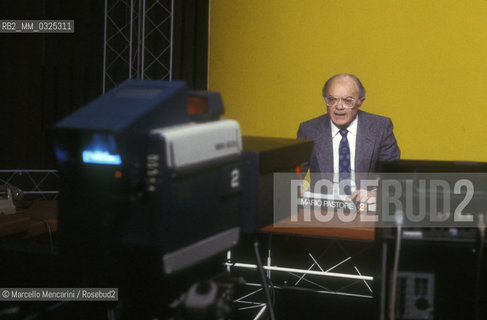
pixel 364 196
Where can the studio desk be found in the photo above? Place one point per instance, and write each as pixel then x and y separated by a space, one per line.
pixel 315 268
pixel 353 230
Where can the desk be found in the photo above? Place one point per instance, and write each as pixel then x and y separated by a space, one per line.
pixel 30 222
pixel 356 230
pixel 334 261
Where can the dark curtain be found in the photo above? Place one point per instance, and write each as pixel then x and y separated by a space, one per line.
pixel 190 60
pixel 45 77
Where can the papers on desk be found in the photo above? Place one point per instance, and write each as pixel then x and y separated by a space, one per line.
pixel 338 197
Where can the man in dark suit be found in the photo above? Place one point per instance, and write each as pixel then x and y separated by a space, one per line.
pixel 346 139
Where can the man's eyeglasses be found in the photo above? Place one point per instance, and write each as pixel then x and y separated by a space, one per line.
pixel 347 102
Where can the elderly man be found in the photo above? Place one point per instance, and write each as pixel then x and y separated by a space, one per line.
pixel 346 139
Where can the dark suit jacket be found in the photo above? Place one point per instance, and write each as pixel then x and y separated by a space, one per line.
pixel 375 142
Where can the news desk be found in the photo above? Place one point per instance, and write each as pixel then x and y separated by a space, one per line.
pixel 319 264
pixel 298 225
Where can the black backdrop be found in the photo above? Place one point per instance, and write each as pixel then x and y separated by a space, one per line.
pixel 44 77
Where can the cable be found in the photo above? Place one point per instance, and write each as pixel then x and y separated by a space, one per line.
pixel 264 281
pixel 51 242
pixel 392 304
pixel 481 226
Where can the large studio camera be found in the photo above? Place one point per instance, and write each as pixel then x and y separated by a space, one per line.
pixel 138 171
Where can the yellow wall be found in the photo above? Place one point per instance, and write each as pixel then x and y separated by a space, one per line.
pixel 423 63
